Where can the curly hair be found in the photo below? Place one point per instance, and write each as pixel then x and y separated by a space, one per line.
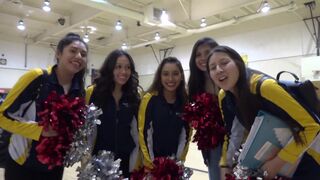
pixel 105 82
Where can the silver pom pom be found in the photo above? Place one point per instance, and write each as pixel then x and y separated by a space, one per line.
pixel 101 167
pixel 81 147
pixel 242 172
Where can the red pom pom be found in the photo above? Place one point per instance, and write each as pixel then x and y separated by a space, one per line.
pixel 204 116
pixel 230 177
pixel 164 168
pixel 64 115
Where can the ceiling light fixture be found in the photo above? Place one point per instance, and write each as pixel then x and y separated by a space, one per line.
pixel 86 38
pixel 157 36
pixel 264 7
pixel 21 25
pixel 118 25
pixel 164 17
pixel 124 46
pixel 88 29
pixel 46 6
pixel 203 22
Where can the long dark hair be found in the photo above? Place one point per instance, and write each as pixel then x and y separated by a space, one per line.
pixel 196 83
pixel 105 82
pixel 157 86
pixel 65 41
pixel 248 103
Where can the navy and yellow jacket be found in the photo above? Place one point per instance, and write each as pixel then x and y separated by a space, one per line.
pixel 162 132
pixel 18 113
pixel 277 101
pixel 118 131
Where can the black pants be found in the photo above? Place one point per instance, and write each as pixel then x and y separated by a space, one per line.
pixel 14 171
pixel 308 168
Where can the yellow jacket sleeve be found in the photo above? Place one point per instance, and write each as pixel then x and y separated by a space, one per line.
pixel 24 127
pixel 141 125
pixel 89 91
pixel 223 159
pixel 274 93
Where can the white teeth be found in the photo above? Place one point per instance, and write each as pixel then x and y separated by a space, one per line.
pixel 222 78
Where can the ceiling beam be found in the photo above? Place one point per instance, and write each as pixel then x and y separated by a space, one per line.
pixel 27 10
pixel 108 7
pixel 13 29
pixel 13 20
pixel 77 19
pixel 101 27
pixel 186 12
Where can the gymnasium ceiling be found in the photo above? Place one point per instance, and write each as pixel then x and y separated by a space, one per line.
pixel 139 19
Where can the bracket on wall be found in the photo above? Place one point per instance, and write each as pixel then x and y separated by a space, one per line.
pixel 154 53
pixel 315 21
pixel 166 52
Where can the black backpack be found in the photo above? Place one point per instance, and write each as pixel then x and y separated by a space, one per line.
pixel 304 92
pixel 5 135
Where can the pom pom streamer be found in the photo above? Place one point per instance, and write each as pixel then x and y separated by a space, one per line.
pixel 244 173
pixel 81 147
pixel 204 116
pixel 101 167
pixel 164 168
pixel 64 115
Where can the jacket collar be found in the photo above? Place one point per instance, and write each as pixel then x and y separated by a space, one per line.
pixel 53 79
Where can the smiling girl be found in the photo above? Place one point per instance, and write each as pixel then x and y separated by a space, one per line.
pixel 18 113
pixel 199 82
pixel 116 93
pixel 162 132
pixel 240 103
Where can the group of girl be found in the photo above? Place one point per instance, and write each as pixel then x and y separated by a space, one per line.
pixel 149 124
pixel 129 122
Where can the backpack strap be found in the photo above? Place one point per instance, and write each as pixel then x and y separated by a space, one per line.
pixel 259 83
pixel 296 78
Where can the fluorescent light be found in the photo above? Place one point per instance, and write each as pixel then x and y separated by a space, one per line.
pixel 46 6
pixel 118 25
pixel 164 17
pixel 21 25
pixel 264 7
pixel 157 36
pixel 124 46
pixel 46 2
pixel 86 38
pixel 203 22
